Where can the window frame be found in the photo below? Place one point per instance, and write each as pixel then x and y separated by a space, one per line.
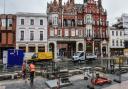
pixel 31 35
pixel 31 21
pixel 22 21
pixel 41 35
pixel 41 21
pixel 22 35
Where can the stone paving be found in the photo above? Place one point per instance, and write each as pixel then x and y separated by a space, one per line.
pixel 77 80
pixel 123 85
pixel 39 83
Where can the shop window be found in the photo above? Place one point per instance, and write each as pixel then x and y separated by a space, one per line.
pixel 41 49
pixel 23 48
pixel 31 49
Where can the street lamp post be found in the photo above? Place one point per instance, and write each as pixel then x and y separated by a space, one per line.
pixel 120 69
pixel 119 73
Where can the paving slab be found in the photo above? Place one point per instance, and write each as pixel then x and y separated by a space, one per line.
pixel 52 84
pixel 123 85
pixel 2 87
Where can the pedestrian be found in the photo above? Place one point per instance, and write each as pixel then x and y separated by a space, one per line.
pixel 24 70
pixel 32 72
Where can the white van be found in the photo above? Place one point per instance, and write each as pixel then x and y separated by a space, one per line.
pixel 78 56
pixel 82 56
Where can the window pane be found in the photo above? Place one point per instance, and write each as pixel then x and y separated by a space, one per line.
pixel 31 49
pixel 22 35
pixel 3 22
pixel 117 43
pixel 41 22
pixel 32 22
pixel 41 35
pixel 120 33
pixel 31 35
pixel 41 49
pixel 9 22
pixel 22 21
pixel 112 33
pixel 116 33
pixel 23 48
pixel 112 42
pixel 51 32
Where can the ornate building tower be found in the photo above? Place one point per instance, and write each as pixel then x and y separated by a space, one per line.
pixel 77 27
pixel 96 28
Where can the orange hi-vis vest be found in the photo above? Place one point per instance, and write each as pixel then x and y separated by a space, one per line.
pixel 32 68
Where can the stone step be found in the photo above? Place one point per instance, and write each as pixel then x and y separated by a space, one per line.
pixel 9 76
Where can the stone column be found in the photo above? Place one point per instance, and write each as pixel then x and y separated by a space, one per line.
pixel 26 47
pixel 93 48
pixel 55 50
pixel 108 50
pixel 84 45
pixel 101 49
pixel 62 19
pixel 17 46
pixel 36 47
pixel 77 46
pixel 46 47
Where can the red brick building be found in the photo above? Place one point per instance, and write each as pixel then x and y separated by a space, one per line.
pixel 7 32
pixel 77 27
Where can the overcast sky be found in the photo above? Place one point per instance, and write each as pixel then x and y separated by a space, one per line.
pixel 114 7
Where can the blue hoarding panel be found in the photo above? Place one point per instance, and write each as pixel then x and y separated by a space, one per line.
pixel 15 57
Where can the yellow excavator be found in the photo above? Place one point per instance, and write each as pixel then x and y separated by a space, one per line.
pixel 42 56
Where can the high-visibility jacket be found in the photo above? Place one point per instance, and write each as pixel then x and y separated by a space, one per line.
pixel 32 68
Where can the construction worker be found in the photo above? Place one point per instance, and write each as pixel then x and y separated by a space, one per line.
pixel 24 70
pixel 32 72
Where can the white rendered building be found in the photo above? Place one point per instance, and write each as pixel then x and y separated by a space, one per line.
pixel 116 41
pixel 31 32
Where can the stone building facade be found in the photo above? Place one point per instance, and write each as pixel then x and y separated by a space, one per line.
pixel 116 41
pixel 122 23
pixel 77 27
pixel 31 32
